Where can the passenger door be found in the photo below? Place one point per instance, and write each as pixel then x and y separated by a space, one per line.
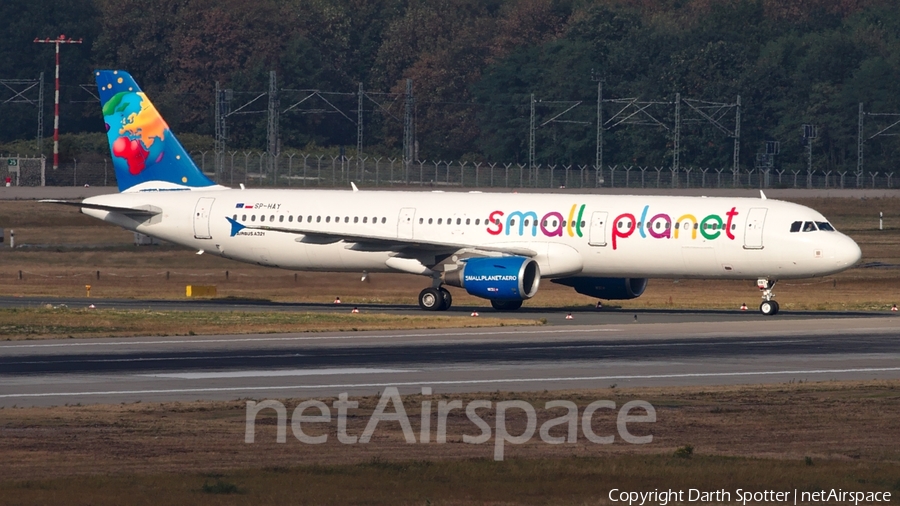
pixel 597 236
pixel 201 218
pixel 753 230
pixel 405 223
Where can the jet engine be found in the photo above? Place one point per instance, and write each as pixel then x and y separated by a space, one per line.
pixel 606 288
pixel 500 278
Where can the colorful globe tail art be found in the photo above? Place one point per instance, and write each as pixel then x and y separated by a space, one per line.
pixel 145 154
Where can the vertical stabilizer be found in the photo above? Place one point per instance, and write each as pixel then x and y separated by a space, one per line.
pixel 145 153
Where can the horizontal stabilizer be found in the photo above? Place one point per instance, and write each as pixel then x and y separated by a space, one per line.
pixel 127 211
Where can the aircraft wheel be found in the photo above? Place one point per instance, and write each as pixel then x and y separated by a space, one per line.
pixel 506 305
pixel 431 299
pixel 768 307
pixel 448 299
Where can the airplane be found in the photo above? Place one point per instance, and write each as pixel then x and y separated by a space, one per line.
pixel 496 246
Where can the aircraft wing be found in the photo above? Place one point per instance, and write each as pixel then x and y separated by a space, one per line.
pixel 379 243
pixel 144 211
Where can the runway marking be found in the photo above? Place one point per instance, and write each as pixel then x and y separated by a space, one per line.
pixel 657 344
pixel 449 382
pixel 273 374
pixel 302 338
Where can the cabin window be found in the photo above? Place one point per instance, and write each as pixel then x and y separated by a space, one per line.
pixel 272 218
pixel 384 220
pixel 430 220
pixel 281 218
pixel 244 217
pixel 328 219
pixel 477 221
pixel 262 218
pixel 318 219
pixel 291 219
pixel 356 219
pixel 468 221
pixel 346 219
pixel 440 220
pixel 234 217
pixel 309 219
pixel 253 217
pixel 512 222
pixel 459 221
pixel 696 226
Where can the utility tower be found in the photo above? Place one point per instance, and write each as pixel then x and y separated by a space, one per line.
pixel 408 129
pixel 223 106
pixel 531 137
pixel 59 40
pixel 359 131
pixel 272 130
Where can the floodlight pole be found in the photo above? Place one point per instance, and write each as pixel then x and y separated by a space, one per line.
pixel 59 40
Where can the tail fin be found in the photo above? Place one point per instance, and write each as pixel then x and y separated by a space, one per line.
pixel 145 153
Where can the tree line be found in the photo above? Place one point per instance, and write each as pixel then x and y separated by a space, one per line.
pixel 475 65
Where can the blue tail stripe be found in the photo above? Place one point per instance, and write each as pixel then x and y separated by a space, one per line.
pixel 143 148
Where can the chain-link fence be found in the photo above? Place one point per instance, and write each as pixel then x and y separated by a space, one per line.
pixel 299 170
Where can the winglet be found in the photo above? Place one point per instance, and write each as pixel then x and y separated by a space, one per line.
pixel 235 226
pixel 353 185
pixel 762 195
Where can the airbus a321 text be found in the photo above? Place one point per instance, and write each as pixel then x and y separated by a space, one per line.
pixel 495 246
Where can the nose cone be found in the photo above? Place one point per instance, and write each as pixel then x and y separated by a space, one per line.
pixel 848 253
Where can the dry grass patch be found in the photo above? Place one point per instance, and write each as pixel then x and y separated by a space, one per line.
pixel 49 323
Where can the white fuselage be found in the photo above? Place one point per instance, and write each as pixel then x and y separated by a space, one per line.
pixel 587 235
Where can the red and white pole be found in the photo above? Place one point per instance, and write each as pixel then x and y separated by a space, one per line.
pixel 59 40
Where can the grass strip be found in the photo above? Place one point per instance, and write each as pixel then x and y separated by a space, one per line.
pixel 62 322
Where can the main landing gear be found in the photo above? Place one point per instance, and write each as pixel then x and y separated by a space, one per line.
pixel 435 299
pixel 768 306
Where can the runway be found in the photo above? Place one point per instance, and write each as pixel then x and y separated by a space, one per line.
pixel 745 349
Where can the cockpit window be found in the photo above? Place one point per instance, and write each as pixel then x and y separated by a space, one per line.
pixel 795 226
pixel 824 225
pixel 809 226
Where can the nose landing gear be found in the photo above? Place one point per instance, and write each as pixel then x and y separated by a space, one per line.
pixel 769 306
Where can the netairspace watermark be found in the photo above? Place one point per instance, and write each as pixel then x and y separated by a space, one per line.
pixel 644 412
pixel 744 497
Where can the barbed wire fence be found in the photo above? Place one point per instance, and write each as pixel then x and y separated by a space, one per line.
pixel 305 170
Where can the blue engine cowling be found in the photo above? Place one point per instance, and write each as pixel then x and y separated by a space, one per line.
pixel 501 278
pixel 606 288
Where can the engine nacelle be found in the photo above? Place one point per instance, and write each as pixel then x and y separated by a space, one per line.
pixel 606 288
pixel 501 278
